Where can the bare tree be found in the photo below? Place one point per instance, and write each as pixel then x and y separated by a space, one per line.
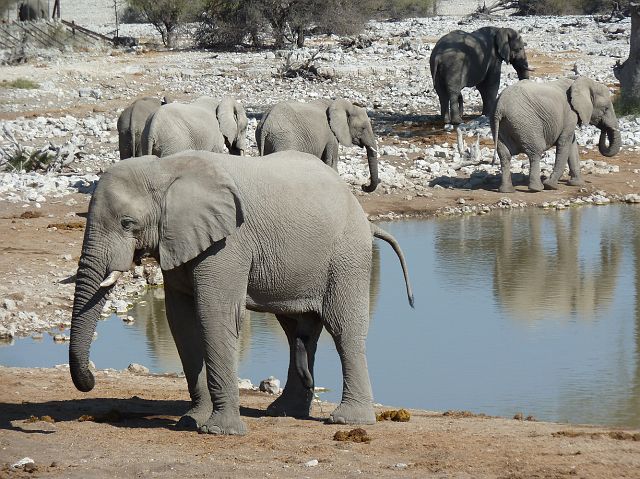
pixel 628 73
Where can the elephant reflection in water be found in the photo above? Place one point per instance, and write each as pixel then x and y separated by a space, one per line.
pixel 151 319
pixel 525 271
pixel 529 266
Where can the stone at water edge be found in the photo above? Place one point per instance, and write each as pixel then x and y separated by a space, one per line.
pixel 135 368
pixel 270 385
pixel 244 384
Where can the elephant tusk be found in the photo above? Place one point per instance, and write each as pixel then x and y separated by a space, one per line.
pixel 530 69
pixel 111 279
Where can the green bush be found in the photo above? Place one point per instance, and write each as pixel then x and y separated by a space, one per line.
pixel 626 106
pixel 20 83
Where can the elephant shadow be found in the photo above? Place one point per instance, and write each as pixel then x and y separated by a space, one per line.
pixel 132 412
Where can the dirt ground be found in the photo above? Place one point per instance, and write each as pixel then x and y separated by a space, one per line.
pixel 39 252
pixel 124 428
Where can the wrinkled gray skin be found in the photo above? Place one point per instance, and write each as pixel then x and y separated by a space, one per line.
pixel 460 59
pixel 33 10
pixel 131 123
pixel 532 117
pixel 280 234
pixel 317 128
pixel 205 124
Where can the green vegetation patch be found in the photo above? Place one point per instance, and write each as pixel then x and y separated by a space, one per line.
pixel 22 83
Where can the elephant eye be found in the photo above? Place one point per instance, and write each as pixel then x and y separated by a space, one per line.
pixel 128 223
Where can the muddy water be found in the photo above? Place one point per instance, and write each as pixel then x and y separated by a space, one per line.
pixel 534 312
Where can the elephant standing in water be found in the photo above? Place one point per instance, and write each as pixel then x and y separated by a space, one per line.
pixel 532 117
pixel 317 128
pixel 131 123
pixel 280 234
pixel 460 59
pixel 206 124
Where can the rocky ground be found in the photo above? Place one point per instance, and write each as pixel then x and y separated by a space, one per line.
pixel 426 168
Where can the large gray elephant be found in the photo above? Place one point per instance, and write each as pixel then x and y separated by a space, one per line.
pixel 532 117
pixel 460 59
pixel 131 123
pixel 317 128
pixel 205 124
pixel 280 234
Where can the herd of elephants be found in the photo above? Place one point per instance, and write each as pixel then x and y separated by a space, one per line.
pixel 282 233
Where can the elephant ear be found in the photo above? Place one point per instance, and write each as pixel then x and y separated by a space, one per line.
pixel 580 99
pixel 232 119
pixel 502 44
pixel 337 114
pixel 200 207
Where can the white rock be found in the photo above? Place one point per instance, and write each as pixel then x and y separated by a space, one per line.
pixel 270 385
pixel 244 384
pixel 135 368
pixel 311 463
pixel 22 462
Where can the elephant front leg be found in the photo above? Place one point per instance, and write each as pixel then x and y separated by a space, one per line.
pixel 574 166
pixel 488 90
pixel 221 323
pixel 295 400
pixel 181 316
pixel 455 107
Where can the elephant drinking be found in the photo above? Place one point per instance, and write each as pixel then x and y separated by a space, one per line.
pixel 460 59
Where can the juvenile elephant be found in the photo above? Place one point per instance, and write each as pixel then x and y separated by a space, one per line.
pixel 317 128
pixel 131 123
pixel 460 59
pixel 206 124
pixel 280 234
pixel 532 117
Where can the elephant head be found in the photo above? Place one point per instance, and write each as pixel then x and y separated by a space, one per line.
pixel 351 126
pixel 233 125
pixel 510 48
pixel 592 103
pixel 173 209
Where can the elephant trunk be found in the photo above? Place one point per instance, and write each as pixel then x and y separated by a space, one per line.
pixel 522 69
pixel 615 141
pixel 88 301
pixel 372 158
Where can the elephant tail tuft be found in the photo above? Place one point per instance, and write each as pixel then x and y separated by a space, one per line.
pixel 378 232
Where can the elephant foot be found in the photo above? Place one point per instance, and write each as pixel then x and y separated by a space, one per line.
pixel 576 182
pixel 549 185
pixel 349 413
pixel 289 405
pixel 194 417
pixel 536 186
pixel 506 189
pixel 455 121
pixel 227 424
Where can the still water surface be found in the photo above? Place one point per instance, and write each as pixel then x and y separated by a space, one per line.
pixel 533 311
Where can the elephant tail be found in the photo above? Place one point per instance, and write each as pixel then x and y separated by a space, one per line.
pixel 383 235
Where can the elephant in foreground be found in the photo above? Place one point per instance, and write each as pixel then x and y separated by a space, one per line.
pixel 317 128
pixel 280 234
pixel 205 124
pixel 460 59
pixel 532 117
pixel 131 123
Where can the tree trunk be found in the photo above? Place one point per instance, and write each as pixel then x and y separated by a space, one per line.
pixel 628 73
pixel 300 37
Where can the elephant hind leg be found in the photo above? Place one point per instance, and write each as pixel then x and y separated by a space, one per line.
pixel 346 317
pixel 181 316
pixel 302 335
pixel 506 185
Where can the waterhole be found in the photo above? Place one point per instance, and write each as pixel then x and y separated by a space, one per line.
pixel 532 311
